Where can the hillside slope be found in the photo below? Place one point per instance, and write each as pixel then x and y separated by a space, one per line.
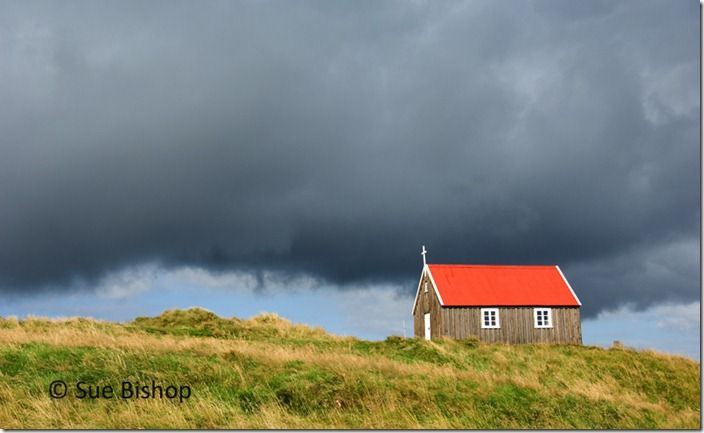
pixel 267 373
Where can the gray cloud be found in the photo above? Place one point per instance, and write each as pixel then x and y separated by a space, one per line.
pixel 335 139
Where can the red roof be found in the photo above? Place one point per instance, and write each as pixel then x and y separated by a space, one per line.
pixel 492 285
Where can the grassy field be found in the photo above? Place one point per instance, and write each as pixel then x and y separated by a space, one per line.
pixel 267 373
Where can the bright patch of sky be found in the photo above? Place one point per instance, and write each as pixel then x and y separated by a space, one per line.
pixel 673 328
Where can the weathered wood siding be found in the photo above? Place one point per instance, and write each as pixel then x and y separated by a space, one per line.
pixel 427 303
pixel 517 325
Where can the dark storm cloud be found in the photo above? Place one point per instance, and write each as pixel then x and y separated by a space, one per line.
pixel 333 139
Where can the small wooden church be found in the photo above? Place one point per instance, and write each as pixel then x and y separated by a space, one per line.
pixel 498 304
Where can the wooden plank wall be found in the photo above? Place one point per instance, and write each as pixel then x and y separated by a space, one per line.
pixel 517 325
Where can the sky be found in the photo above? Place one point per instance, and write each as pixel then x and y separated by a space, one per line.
pixel 294 156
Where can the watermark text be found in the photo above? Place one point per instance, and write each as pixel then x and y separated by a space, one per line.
pixel 126 390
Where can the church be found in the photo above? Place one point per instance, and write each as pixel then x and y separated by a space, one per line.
pixel 496 303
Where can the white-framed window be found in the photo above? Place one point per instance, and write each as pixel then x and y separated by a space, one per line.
pixel 490 318
pixel 425 287
pixel 543 317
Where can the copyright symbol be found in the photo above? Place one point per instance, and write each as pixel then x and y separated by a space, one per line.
pixel 57 389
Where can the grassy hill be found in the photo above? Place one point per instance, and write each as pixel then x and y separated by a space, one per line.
pixel 268 373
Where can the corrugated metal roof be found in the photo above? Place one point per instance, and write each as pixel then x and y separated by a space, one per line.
pixel 496 285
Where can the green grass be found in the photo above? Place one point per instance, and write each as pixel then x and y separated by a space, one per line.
pixel 268 373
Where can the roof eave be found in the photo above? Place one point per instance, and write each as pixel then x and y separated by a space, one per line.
pixel 568 285
pixel 426 268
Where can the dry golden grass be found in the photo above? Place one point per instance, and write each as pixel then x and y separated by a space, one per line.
pixel 268 373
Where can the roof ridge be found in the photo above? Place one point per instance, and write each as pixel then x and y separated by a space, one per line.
pixel 490 266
